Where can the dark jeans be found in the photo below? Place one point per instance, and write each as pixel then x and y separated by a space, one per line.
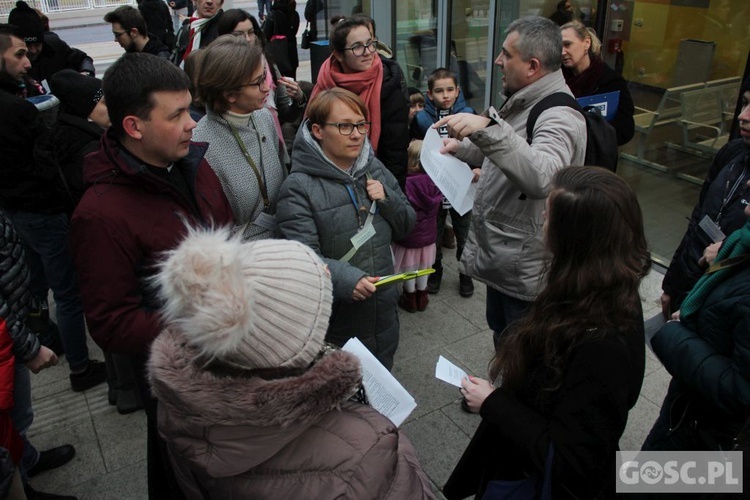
pixel 45 238
pixel 502 310
pixel 261 11
pixel 22 415
pixel 461 225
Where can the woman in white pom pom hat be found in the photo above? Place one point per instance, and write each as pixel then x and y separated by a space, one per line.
pixel 251 402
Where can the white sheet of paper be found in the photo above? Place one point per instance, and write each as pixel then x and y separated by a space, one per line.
pixel 451 175
pixel 384 392
pixel 448 372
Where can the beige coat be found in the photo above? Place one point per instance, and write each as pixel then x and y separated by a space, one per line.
pixel 505 248
pixel 292 437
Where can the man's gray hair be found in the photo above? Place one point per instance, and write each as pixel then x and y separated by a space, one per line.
pixel 540 38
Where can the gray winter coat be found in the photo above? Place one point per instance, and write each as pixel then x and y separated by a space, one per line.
pixel 315 208
pixel 505 248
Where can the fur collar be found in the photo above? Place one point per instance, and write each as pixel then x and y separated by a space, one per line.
pixel 205 398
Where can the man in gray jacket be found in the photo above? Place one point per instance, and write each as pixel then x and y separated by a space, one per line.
pixel 505 249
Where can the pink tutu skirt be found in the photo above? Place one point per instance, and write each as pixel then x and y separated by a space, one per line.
pixel 411 259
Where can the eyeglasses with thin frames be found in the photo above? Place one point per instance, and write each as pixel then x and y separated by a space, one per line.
pixel 360 50
pixel 260 82
pixel 118 34
pixel 348 128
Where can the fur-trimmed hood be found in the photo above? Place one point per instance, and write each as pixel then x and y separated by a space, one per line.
pixel 263 414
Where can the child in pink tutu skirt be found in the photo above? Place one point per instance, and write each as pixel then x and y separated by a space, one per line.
pixel 417 251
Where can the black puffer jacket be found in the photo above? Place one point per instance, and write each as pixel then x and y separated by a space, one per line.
pixel 14 292
pixel 731 163
pixel 394 119
pixel 57 55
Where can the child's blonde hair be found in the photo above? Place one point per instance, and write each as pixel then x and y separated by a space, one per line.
pixel 414 151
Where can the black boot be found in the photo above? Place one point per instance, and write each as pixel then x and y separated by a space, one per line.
pixel 434 279
pixel 465 285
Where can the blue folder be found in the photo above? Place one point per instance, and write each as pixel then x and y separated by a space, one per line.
pixel 606 103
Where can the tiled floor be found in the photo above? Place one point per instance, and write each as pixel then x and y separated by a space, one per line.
pixel 110 460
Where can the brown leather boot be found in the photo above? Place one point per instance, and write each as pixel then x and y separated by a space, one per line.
pixel 408 302
pixel 423 298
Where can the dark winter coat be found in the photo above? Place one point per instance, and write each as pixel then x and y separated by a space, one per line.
pixel 427 117
pixel 425 198
pixel 156 47
pixel 316 209
pixel 127 217
pixel 15 296
pixel 730 163
pixel 25 186
pixel 290 437
pixel 57 55
pixel 158 20
pixel 600 79
pixel 394 120
pixel 283 20
pixel 711 359
pixel 62 150
pixel 584 418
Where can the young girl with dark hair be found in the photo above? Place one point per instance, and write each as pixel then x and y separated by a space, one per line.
pixel 567 373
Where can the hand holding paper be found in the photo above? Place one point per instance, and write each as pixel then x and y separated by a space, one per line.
pixel 452 176
pixel 383 391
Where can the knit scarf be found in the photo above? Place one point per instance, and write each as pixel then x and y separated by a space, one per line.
pixel 196 27
pixel 737 244
pixel 587 83
pixel 366 84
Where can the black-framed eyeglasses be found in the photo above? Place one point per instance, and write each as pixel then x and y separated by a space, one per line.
pixel 360 50
pixel 118 34
pixel 259 82
pixel 348 128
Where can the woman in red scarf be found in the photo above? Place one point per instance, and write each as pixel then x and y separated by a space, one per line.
pixel 355 65
pixel 587 74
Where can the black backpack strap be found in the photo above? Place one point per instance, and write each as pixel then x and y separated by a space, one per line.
pixel 551 101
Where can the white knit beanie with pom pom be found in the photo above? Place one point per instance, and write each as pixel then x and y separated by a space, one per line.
pixel 261 304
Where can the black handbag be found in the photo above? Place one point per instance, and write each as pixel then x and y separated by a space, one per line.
pixel 529 488
pixel 305 43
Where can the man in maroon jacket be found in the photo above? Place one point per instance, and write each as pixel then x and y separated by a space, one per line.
pixel 146 182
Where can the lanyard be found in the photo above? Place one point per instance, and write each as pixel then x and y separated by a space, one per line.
pixel 366 230
pixel 261 184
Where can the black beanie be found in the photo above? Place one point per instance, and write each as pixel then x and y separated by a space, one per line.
pixel 78 93
pixel 29 21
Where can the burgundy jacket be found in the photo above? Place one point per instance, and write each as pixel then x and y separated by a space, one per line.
pixel 126 219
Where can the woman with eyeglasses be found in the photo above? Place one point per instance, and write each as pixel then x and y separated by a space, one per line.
pixel 286 100
pixel 244 148
pixel 342 202
pixel 355 65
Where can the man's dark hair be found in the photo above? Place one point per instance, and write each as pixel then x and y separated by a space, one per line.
pixel 128 17
pixel 130 83
pixel 440 74
pixel 6 32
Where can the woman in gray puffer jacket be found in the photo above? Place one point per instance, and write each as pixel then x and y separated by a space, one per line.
pixel 251 403
pixel 338 193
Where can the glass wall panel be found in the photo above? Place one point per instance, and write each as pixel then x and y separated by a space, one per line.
pixel 469 25
pixel 416 40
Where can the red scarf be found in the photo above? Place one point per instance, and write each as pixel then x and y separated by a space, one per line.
pixel 366 84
